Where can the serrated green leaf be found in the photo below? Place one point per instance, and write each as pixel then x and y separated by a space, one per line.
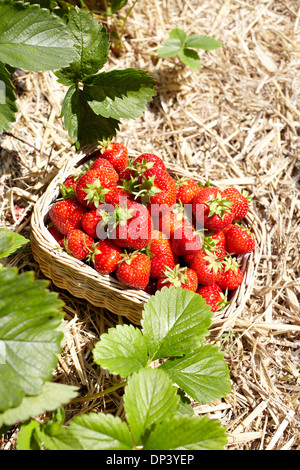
pixel 26 439
pixel 178 33
pixel 190 58
pixel 52 396
pixel 83 125
pixel 202 374
pixel 120 93
pixel 91 46
pixel 207 43
pixel 29 337
pixel 99 431
pixel 175 322
pixel 149 398
pixel 32 38
pixel 170 48
pixel 122 350
pixel 8 106
pixel 187 433
pixel 10 241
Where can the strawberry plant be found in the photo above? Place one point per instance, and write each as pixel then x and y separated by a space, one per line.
pixel 75 46
pixel 184 47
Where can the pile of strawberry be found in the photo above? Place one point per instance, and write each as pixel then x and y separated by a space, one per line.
pixel 131 219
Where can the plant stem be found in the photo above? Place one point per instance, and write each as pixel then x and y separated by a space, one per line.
pixel 126 17
pixel 99 394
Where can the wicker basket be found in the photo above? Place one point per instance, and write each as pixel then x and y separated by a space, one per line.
pixel 83 281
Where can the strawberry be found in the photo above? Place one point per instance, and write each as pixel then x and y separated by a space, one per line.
pixel 59 237
pixel 207 267
pixel 67 215
pixel 171 219
pixel 78 244
pixel 157 192
pixel 239 240
pixel 133 270
pixel 186 190
pixel 90 221
pixel 240 202
pixel 148 162
pixel 212 209
pixel 215 243
pixel 102 164
pixel 161 254
pixel 151 287
pixel 106 256
pixel 184 277
pixel 232 276
pixel 214 296
pixel 130 225
pixel 117 154
pixel 186 241
pixel 95 187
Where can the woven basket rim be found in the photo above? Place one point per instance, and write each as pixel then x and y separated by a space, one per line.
pixel 45 246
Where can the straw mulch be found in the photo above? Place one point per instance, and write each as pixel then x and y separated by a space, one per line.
pixel 236 121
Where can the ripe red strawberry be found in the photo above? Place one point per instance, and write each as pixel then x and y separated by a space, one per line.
pixel 214 296
pixel 106 256
pixel 90 221
pixel 212 209
pixel 70 182
pixel 240 202
pixel 59 237
pixel 102 164
pixel 186 190
pixel 231 276
pixel 148 164
pixel 239 240
pixel 207 267
pixel 215 243
pixel 67 215
pixel 157 192
pixel 130 225
pixel 168 221
pixel 78 244
pixel 160 254
pixel 95 187
pixel 186 241
pixel 121 195
pixel 151 287
pixel 184 277
pixel 117 154
pixel 133 270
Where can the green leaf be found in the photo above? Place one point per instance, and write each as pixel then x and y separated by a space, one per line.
pixel 119 93
pixel 52 396
pixel 10 241
pixel 8 106
pixel 122 350
pixel 99 431
pixel 206 43
pixel 115 5
pixel 29 337
pixel 170 48
pixel 190 58
pixel 202 374
pixel 175 322
pixel 83 125
pixel 91 46
pixel 32 38
pixel 26 440
pixel 149 398
pixel 187 433
pixel 178 33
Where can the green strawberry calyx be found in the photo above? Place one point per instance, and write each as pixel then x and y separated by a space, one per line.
pixel 219 206
pixel 176 276
pixel 95 193
pixel 147 189
pixel 230 263
pixel 213 262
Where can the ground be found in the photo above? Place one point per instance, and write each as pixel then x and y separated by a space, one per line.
pixel 236 121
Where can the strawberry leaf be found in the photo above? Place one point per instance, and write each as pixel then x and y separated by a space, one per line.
pixel 122 350
pixel 83 125
pixel 91 45
pixel 149 398
pixel 10 242
pixel 175 322
pixel 119 93
pixel 202 374
pixel 187 433
pixel 190 58
pixel 32 38
pixel 170 48
pixel 207 43
pixel 8 106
